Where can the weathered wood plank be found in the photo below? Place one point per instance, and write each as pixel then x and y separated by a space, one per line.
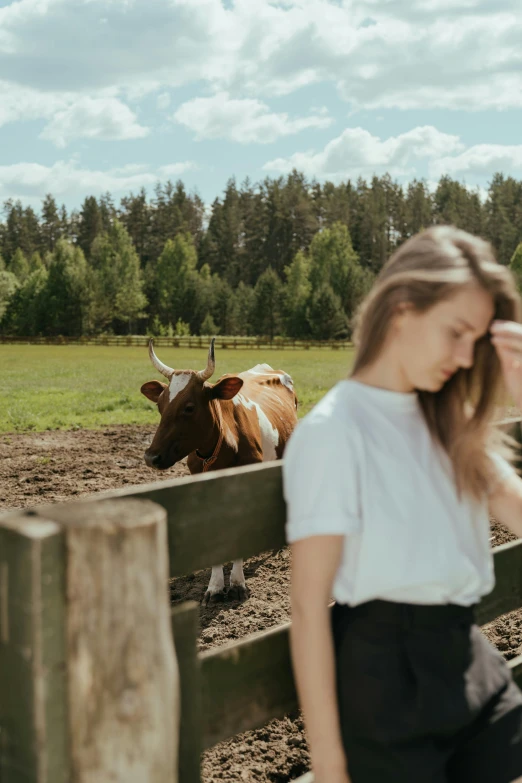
pixel 123 679
pixel 33 700
pixel 215 517
pixel 245 684
pixel 185 622
pixel 506 596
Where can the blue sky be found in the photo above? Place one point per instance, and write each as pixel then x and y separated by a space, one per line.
pixel 100 95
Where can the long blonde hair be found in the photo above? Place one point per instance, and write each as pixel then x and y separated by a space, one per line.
pixel 428 268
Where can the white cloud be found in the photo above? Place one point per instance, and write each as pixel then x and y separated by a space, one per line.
pixel 421 55
pixel 163 101
pixel 70 115
pixel 26 103
pixel 496 93
pixel 242 120
pixel 148 42
pixel 390 53
pixel 470 63
pixel 66 179
pixel 175 169
pixel 356 152
pixel 88 118
pixel 481 160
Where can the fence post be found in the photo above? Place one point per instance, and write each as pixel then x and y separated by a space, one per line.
pixel 123 674
pixel 185 624
pixel 89 678
pixel 33 700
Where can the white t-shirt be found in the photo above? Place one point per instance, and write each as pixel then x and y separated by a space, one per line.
pixel 363 464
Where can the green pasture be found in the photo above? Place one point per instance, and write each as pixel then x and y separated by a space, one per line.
pixel 72 387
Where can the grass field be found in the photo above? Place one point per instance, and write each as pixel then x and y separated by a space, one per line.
pixel 71 387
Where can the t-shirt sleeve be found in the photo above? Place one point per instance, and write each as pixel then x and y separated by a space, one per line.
pixel 501 470
pixel 321 482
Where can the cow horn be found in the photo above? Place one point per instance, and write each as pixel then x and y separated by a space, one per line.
pixel 164 370
pixel 211 364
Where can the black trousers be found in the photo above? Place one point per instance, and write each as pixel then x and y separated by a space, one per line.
pixel 424 697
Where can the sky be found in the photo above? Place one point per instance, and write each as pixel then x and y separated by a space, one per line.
pixel 113 95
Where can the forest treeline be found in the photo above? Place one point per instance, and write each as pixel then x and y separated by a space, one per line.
pixel 283 257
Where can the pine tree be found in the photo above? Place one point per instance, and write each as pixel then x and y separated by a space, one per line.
pixel 108 212
pixel 418 207
pixel 291 219
pixel 297 296
pixel 21 230
pixel 52 228
pixel 245 303
pixel 130 300
pixel 174 277
pixel 268 304
pixel 66 293
pixel 252 234
pixel 90 224
pixel 166 218
pixel 12 234
pixel 31 241
pixel 8 285
pixel 19 265
pixel 221 245
pixel 135 215
pixel 327 317
pixel 334 262
pixel 26 313
pixel 35 262
pixel 115 280
pixel 65 226
pixel 224 306
pixel 182 329
pixel 502 210
pixel 208 327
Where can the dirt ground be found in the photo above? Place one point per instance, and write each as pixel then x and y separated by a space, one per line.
pixel 53 466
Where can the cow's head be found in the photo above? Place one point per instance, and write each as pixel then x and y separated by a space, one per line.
pixel 187 421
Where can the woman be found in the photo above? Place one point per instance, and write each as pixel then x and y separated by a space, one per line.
pixel 389 482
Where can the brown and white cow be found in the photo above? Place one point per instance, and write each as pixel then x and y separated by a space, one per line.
pixel 239 420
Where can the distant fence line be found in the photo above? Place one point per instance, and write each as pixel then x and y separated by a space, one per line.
pixel 278 343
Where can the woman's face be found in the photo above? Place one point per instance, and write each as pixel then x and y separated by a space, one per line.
pixel 433 345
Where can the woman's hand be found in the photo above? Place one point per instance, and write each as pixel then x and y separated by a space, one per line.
pixel 506 336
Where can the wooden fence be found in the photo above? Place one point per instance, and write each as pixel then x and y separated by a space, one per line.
pixel 100 680
pixel 278 343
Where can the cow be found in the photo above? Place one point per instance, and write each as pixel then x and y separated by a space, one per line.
pixel 239 420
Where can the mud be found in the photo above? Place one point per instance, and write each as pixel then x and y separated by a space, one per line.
pixel 54 466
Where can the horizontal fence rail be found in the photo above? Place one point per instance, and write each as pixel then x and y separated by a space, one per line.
pixel 277 343
pixel 52 559
pixel 251 498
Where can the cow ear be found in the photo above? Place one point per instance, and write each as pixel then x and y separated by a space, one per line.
pixel 153 390
pixel 226 388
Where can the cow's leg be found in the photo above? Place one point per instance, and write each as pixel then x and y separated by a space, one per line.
pixel 238 591
pixel 216 586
